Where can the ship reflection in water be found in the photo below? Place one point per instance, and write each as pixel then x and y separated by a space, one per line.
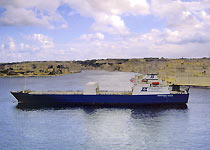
pixel 87 109
pixel 113 127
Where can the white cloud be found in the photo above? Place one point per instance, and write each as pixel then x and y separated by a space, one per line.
pixel 72 13
pixel 27 46
pixel 96 36
pixel 30 12
pixel 34 47
pixel 114 7
pixel 22 45
pixel 8 44
pixel 107 14
pixel 64 26
pixel 11 44
pixel 186 31
pixel 19 16
pixel 184 34
pixel 179 14
pixel 2 46
pixel 111 24
pixel 45 41
pixel 154 44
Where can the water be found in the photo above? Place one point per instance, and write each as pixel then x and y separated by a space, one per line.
pixel 100 128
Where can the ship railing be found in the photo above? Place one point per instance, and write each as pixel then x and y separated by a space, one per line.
pixel 56 92
pixel 114 93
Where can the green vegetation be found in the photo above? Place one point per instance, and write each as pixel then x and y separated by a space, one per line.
pixel 38 68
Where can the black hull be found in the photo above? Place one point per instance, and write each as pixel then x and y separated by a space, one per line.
pixel 101 100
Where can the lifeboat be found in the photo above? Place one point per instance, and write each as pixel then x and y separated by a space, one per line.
pixel 144 80
pixel 132 80
pixel 155 83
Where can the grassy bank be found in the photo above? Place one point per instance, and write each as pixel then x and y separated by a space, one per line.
pixel 195 72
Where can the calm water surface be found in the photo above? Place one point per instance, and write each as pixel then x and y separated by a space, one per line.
pixel 100 128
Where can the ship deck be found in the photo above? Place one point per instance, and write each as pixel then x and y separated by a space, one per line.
pixel 80 92
pixel 98 93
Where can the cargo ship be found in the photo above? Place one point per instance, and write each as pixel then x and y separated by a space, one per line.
pixel 146 90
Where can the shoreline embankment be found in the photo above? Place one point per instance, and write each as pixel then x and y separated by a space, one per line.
pixel 192 72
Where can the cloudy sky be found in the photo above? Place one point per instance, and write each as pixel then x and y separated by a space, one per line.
pixel 93 29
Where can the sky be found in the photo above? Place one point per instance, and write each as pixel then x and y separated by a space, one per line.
pixel 63 30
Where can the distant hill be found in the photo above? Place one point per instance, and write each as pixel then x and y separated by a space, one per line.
pixel 183 71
